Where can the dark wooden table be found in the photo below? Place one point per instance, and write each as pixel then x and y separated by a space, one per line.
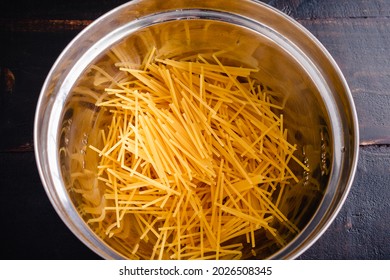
pixel 32 35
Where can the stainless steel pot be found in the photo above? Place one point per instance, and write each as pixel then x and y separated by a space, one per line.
pixel 319 109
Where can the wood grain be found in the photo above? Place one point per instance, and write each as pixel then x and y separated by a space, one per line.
pixel 56 9
pixel 315 9
pixel 289 7
pixel 34 33
pixel 31 229
pixel 361 47
pixel 29 56
pixel 89 9
pixel 43 25
pixel 361 229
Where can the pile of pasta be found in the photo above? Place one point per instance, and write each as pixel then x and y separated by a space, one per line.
pixel 194 161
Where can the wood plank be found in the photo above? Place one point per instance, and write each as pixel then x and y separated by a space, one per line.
pixel 289 7
pixel 361 48
pixel 320 9
pixel 89 9
pixel 315 9
pixel 31 228
pixel 43 25
pixel 361 230
pixel 56 9
pixel 356 33
pixel 29 57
